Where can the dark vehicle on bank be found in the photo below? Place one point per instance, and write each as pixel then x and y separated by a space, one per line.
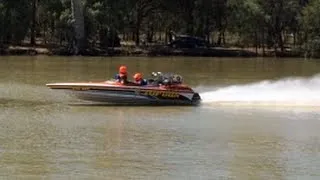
pixel 185 41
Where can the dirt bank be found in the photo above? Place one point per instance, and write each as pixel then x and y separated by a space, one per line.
pixel 147 51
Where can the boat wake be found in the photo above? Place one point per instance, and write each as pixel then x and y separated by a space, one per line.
pixel 293 91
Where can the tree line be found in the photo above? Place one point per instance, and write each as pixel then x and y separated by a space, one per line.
pixel 79 24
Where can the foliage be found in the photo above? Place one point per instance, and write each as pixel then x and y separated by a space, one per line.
pixel 255 22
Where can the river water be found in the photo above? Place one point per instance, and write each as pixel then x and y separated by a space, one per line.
pixel 259 119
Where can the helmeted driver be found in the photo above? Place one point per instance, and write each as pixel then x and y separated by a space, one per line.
pixel 122 76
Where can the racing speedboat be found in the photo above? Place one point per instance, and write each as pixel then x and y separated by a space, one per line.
pixel 162 89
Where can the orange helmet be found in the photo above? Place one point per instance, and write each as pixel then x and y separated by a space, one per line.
pixel 123 70
pixel 137 76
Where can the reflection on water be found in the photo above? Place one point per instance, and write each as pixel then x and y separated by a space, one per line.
pixel 42 137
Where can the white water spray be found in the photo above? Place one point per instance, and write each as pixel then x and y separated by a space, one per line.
pixel 288 91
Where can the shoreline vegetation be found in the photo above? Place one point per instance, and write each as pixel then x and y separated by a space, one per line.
pixel 205 28
pixel 147 51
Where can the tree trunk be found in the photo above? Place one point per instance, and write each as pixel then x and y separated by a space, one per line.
pixel 79 30
pixel 7 37
pixel 137 30
pixel 256 41
pixel 52 29
pixel 223 37
pixel 263 42
pixel 280 41
pixel 189 10
pixel 219 39
pixel 150 34
pixel 166 36
pixel 34 22
pixel 294 39
pixel 207 31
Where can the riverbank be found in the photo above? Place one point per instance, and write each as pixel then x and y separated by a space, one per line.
pixel 156 50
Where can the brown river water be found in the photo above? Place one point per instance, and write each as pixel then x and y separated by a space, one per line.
pixel 259 119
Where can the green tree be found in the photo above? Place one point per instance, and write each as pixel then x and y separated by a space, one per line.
pixel 311 26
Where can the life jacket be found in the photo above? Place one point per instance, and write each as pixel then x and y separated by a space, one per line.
pixel 121 79
pixel 142 82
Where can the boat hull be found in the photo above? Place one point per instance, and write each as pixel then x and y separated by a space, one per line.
pixel 111 94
